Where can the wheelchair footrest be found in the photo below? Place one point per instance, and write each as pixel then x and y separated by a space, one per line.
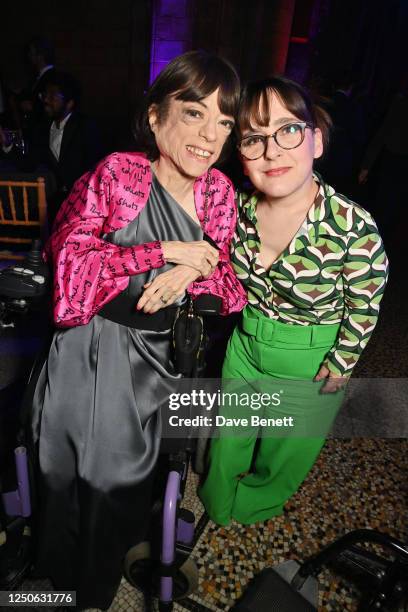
pixel 269 592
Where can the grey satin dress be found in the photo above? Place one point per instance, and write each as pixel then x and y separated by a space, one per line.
pixel 96 424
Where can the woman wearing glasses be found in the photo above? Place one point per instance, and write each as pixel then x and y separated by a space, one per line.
pixel 315 270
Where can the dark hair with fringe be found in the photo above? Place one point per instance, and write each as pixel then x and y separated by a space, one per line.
pixel 189 77
pixel 254 105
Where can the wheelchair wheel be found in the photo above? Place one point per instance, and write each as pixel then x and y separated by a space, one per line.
pixel 138 565
pixel 140 570
pixel 186 580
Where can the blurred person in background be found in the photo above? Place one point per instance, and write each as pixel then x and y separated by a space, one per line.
pixel 40 56
pixel 67 141
pixel 387 152
pixel 341 160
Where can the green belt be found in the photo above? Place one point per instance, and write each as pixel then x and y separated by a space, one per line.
pixel 266 330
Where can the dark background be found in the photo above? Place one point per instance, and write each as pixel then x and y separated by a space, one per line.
pixel 114 46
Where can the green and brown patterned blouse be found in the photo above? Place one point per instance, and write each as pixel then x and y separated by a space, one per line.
pixel 333 271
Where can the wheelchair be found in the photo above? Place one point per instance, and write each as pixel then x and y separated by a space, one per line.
pixel 23 287
pixel 293 587
pixel 162 565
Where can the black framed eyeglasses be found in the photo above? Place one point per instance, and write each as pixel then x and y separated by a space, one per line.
pixel 288 136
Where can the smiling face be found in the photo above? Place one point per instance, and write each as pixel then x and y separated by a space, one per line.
pixel 191 136
pixel 282 173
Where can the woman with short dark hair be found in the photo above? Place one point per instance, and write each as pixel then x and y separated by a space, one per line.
pixel 315 271
pixel 130 241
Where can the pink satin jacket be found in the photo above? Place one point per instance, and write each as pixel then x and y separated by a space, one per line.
pixel 89 272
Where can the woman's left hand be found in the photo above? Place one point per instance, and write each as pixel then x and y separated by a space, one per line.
pixel 166 288
pixel 334 382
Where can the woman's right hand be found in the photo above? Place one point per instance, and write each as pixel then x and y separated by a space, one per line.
pixel 198 254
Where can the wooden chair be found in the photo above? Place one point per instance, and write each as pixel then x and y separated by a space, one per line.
pixel 23 214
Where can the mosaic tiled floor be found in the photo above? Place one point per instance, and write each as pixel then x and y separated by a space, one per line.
pixel 358 483
pixel 355 484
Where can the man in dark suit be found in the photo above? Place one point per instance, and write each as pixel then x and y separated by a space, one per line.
pixel 40 58
pixel 67 142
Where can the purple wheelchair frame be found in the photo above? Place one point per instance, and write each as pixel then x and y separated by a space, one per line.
pixel 18 503
pixel 15 536
pixel 176 529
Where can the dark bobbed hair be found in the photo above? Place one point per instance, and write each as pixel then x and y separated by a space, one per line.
pixel 189 77
pixel 67 85
pixel 254 105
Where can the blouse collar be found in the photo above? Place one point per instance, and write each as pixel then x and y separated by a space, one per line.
pixel 315 215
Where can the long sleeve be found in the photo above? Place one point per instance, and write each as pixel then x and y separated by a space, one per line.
pixel 364 276
pixel 220 228
pixel 223 283
pixel 89 271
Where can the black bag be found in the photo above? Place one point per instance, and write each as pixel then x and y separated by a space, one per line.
pixel 188 327
pixel 188 333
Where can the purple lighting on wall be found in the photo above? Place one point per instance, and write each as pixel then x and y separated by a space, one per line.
pixel 171 33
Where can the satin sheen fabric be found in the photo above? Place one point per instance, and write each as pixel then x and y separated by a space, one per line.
pixel 96 424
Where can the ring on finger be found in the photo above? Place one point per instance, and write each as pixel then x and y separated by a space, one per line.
pixel 165 298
